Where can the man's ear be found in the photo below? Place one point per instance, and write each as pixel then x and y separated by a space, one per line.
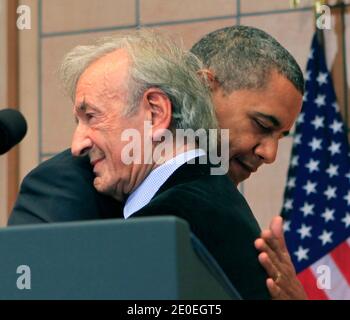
pixel 209 76
pixel 159 109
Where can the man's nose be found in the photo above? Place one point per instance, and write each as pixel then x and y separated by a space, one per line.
pixel 81 143
pixel 267 150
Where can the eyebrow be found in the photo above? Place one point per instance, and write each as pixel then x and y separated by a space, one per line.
pixel 79 108
pixel 275 122
pixel 82 108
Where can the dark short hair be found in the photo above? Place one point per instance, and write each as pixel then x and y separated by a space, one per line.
pixel 243 57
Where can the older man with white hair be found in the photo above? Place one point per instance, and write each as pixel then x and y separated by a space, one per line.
pixel 120 84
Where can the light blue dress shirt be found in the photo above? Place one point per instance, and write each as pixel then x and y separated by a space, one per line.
pixel 144 193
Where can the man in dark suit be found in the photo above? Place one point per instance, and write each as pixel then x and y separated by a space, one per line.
pixel 61 189
pixel 233 38
pixel 220 217
pixel 257 89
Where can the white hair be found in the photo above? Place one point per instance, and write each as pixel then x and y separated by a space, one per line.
pixel 156 61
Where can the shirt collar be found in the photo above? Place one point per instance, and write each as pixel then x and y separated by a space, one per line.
pixel 144 193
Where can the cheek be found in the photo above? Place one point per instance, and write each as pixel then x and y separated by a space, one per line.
pixel 239 141
pixel 114 154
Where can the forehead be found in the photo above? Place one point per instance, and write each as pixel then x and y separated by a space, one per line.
pixel 281 99
pixel 104 75
pixel 278 98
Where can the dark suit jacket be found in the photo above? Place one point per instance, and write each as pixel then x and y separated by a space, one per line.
pixel 61 189
pixel 220 217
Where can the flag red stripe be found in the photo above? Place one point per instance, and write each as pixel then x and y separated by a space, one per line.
pixel 341 257
pixel 309 283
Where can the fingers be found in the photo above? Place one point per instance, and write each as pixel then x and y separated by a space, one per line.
pixel 263 247
pixel 276 247
pixel 274 238
pixel 275 259
pixel 282 282
pixel 276 227
pixel 278 290
pixel 280 257
pixel 274 289
pixel 268 265
pixel 272 241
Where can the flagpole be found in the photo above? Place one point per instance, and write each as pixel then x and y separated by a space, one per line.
pixel 320 37
pixel 317 14
pixel 341 4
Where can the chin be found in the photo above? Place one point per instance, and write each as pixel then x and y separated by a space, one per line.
pixel 234 179
pixel 100 186
pixel 237 178
pixel 108 189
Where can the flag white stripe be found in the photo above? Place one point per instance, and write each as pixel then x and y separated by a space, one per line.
pixel 339 288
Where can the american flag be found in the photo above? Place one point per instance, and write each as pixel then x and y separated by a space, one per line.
pixel 316 207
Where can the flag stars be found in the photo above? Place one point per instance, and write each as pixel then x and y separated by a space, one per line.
pixel 307 75
pixel 317 196
pixel 291 183
pixel 310 187
pixel 312 165
pixel 330 192
pixel 304 231
pixel 295 161
pixel 302 253
pixel 322 78
pixel 347 198
pixel 334 148
pixel 336 126
pixel 326 237
pixel 348 176
pixel 318 122
pixel 286 226
pixel 311 54
pixel 335 106
pixel 315 144
pixel 297 139
pixel 300 118
pixel 332 170
pixel 328 215
pixel 320 100
pixel 288 205
pixel 346 220
pixel 305 96
pixel 307 209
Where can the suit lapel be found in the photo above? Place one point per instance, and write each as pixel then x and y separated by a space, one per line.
pixel 187 172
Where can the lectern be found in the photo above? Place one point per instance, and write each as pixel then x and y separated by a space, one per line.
pixel 141 258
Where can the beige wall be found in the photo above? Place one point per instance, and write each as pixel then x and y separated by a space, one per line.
pixel 3 98
pixel 28 90
pixel 58 25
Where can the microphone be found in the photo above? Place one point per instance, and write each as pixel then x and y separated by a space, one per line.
pixel 13 128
